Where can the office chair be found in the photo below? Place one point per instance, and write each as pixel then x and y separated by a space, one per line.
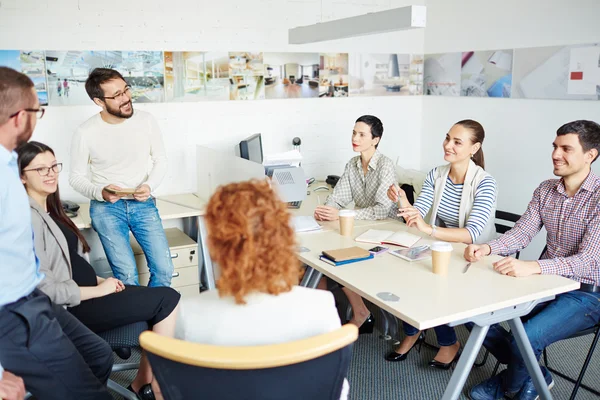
pixel 122 340
pixel 312 368
pixel 595 330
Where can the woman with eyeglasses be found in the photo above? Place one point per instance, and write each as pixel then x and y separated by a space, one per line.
pixel 100 304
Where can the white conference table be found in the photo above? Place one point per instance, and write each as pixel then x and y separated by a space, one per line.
pixel 426 300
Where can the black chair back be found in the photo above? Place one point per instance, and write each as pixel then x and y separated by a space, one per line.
pixel 317 379
pixel 502 228
pixel 410 192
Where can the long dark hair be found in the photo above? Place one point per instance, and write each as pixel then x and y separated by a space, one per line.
pixel 478 135
pixel 27 152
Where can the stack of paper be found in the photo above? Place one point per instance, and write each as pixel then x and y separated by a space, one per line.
pixel 305 224
pixel 292 157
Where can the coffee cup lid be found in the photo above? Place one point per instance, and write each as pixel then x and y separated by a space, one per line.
pixel 347 213
pixel 441 246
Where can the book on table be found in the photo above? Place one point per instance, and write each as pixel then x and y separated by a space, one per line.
pixel 400 238
pixel 345 256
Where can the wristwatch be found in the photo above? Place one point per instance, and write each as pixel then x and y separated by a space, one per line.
pixel 433 228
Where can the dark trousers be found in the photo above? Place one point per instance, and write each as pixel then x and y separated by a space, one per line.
pixel 55 354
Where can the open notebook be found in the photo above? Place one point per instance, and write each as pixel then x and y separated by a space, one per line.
pixel 399 238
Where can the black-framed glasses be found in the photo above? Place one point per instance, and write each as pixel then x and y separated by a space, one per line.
pixel 125 92
pixel 39 112
pixel 45 171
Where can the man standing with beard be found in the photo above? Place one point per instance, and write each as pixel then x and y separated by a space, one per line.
pixel 54 354
pixel 114 147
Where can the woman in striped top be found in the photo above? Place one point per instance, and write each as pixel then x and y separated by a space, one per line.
pixel 462 199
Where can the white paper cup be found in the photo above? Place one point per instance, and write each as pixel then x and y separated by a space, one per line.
pixel 347 222
pixel 440 257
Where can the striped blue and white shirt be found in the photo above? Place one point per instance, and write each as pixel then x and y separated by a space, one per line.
pixel 448 211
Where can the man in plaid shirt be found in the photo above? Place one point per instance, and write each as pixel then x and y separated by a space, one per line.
pixel 569 209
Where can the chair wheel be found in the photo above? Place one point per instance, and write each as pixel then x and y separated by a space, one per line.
pixel 124 352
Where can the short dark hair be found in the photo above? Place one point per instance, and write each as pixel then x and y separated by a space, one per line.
pixel 15 92
pixel 375 125
pixel 588 133
pixel 97 78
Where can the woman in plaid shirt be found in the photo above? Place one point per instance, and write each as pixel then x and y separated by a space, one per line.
pixel 569 209
pixel 364 182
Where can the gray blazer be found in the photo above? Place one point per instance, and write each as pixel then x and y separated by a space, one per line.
pixel 53 252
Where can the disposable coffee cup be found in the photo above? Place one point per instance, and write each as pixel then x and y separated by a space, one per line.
pixel 346 222
pixel 440 257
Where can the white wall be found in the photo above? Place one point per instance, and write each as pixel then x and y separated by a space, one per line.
pixel 519 132
pixel 324 125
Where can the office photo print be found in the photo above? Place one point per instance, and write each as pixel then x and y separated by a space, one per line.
pixel 333 75
pixel 379 74
pixel 30 63
pixel 557 72
pixel 486 73
pixel 246 76
pixel 68 71
pixel 441 74
pixel 196 76
pixel 291 75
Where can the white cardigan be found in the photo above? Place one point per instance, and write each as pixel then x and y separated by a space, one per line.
pixel 475 175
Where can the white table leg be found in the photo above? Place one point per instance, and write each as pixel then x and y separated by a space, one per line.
pixel 307 275
pixel 533 367
pixel 480 329
pixel 465 362
pixel 207 272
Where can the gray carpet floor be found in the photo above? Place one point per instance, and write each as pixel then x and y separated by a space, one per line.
pixel 371 377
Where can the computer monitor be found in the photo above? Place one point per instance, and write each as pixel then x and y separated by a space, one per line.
pixel 251 148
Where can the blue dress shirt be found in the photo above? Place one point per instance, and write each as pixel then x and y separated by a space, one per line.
pixel 19 267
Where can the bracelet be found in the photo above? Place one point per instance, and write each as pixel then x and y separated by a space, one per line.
pixel 433 228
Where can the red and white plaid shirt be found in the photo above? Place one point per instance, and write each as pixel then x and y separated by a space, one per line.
pixel 573 226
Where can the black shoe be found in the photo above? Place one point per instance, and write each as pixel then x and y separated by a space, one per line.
pixel 394 356
pixel 445 366
pixel 368 325
pixel 145 392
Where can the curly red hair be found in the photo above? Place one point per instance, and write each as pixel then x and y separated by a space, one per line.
pixel 251 239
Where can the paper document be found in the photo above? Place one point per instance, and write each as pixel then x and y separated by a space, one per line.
pixel 305 224
pixel 292 157
pixel 399 238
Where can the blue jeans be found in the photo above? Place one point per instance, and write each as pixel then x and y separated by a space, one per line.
pixel 547 323
pixel 446 335
pixel 113 221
